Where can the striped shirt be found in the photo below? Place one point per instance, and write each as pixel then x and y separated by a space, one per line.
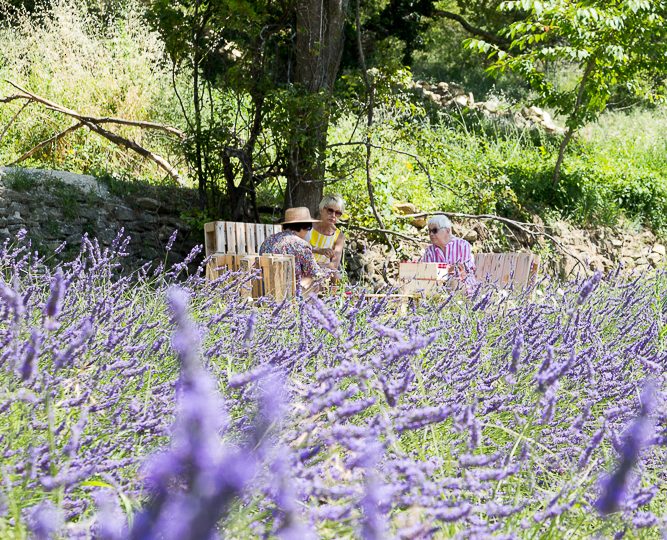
pixel 320 240
pixel 457 252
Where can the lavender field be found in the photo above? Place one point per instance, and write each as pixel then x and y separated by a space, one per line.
pixel 159 405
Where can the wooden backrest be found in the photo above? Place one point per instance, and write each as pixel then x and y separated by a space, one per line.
pixel 235 237
pixel 504 269
pixel 276 277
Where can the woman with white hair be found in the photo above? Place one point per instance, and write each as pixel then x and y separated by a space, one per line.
pixel 327 240
pixel 447 248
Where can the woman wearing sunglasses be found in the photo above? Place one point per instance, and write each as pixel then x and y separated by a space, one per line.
pixel 327 240
pixel 291 241
pixel 447 248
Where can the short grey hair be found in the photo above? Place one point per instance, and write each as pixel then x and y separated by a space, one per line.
pixel 332 200
pixel 442 222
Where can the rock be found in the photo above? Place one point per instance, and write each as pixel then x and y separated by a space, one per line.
pixel 435 98
pixel 123 213
pixel 443 87
pixel 659 249
pixel 419 223
pixel 492 105
pixel 461 100
pixel 147 203
pixel 405 208
pixel 471 236
pixel 654 258
pixel 616 242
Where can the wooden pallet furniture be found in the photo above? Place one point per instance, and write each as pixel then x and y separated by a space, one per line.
pixel 275 274
pixel 235 237
pixel 234 247
pixel 518 270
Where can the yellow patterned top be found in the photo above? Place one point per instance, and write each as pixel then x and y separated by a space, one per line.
pixel 319 240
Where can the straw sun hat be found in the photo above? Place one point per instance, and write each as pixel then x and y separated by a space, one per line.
pixel 300 214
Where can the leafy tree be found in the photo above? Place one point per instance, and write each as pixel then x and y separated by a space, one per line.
pixel 277 61
pixel 611 43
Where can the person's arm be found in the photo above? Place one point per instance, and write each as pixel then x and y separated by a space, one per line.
pixel 338 248
pixel 309 266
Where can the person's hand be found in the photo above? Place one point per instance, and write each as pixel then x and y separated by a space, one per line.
pixel 327 252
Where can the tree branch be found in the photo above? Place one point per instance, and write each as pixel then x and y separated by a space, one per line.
pixel 28 96
pixel 381 231
pixel 47 142
pixel 522 226
pixel 494 39
pixel 12 120
pixel 91 123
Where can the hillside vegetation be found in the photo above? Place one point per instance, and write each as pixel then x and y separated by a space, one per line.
pixel 450 160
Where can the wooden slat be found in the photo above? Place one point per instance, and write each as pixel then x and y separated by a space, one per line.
pixel 248 263
pixel 231 237
pixel 239 231
pixel 214 237
pixel 251 239
pixel 278 277
pixel 522 270
pixel 260 234
pixel 267 284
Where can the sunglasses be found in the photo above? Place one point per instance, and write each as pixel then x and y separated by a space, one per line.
pixel 337 213
pixel 434 231
pixel 306 226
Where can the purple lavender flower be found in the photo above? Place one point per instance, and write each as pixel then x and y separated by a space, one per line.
pixel 111 522
pixel 29 365
pixel 54 303
pixel 516 351
pixel 44 520
pixel 588 287
pixel 614 485
pixel 172 239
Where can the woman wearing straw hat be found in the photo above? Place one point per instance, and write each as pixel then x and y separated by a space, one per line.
pixel 291 241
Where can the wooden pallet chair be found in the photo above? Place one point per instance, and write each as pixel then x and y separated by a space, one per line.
pixel 503 270
pixel 233 246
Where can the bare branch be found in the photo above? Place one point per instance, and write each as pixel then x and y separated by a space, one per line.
pixel 494 39
pixel 382 231
pixel 92 124
pixel 522 226
pixel 12 120
pixel 47 142
pixel 86 118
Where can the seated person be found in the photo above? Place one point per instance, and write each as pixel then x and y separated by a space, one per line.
pixel 327 240
pixel 290 241
pixel 448 249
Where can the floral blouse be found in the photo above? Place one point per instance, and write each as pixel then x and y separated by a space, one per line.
pixel 289 243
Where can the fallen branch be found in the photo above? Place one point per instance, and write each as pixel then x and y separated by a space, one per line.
pixel 92 124
pixel 12 120
pixel 46 143
pixel 382 231
pixel 87 118
pixel 522 226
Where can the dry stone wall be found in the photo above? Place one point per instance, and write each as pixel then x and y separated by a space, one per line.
pixel 54 206
pixel 451 95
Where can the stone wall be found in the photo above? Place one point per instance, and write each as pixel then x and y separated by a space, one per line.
pixel 55 206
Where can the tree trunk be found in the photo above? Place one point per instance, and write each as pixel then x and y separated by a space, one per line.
pixel 590 66
pixel 319 47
